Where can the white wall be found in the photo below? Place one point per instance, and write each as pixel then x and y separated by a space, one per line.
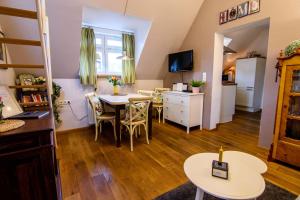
pixel 73 91
pixel 216 93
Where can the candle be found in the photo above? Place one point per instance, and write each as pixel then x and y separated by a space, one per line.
pixel 221 154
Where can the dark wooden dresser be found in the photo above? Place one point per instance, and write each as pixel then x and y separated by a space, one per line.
pixel 28 165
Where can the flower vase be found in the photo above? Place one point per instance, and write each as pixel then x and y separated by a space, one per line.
pixel 196 89
pixel 116 90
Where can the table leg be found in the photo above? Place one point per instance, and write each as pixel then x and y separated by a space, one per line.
pixel 150 121
pixel 199 194
pixel 117 124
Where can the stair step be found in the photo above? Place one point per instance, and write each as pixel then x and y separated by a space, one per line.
pixel 18 12
pixel 20 41
pixel 24 66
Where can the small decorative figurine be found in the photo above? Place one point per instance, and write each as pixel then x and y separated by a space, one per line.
pixel 220 168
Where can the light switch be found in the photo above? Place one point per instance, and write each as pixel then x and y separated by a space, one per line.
pixel 204 76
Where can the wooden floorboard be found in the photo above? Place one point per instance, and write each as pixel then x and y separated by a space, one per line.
pixel 98 170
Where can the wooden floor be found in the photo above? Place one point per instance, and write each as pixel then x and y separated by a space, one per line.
pixel 98 170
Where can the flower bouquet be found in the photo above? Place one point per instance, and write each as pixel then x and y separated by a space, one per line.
pixel 40 80
pixel 115 81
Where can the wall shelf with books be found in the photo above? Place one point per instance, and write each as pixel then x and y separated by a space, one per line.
pixel 31 92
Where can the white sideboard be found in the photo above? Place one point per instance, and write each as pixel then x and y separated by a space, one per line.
pixel 183 108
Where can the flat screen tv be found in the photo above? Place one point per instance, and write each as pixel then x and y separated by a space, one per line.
pixel 181 61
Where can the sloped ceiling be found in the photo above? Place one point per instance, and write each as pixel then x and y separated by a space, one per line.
pixel 171 21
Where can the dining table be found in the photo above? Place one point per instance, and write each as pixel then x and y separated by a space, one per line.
pixel 118 102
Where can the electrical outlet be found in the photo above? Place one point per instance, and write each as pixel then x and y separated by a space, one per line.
pixel 64 102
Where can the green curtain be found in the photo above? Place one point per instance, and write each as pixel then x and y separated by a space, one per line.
pixel 128 65
pixel 88 71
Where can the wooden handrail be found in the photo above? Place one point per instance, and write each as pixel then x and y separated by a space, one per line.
pixel 18 12
pixel 5 66
pixel 20 41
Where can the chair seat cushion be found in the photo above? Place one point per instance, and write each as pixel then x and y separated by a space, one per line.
pixel 106 115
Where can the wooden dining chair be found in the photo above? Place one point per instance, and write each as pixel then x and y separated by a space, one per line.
pixel 100 115
pixel 136 116
pixel 158 100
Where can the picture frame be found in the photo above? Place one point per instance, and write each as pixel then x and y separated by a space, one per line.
pixel 243 9
pixel 232 14
pixel 254 6
pixel 3 57
pixel 27 80
pixel 223 17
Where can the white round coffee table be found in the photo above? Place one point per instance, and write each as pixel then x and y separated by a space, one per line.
pixel 244 182
pixel 247 159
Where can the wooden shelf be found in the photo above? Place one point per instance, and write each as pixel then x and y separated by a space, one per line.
pixel 18 12
pixel 294 117
pixel 45 103
pixel 20 41
pixel 295 94
pixel 23 66
pixel 27 86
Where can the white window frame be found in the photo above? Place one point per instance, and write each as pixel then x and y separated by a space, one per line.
pixel 105 49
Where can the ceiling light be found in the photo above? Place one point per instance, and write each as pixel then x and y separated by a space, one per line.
pixel 124 56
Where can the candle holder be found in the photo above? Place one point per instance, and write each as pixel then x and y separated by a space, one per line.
pixel 220 168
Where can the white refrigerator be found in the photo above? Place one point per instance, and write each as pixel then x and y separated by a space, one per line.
pixel 250 73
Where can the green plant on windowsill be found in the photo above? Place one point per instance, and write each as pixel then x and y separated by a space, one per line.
pixel 56 94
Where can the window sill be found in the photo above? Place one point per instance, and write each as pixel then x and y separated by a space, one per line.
pixel 108 75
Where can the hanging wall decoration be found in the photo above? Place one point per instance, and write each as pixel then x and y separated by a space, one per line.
pixel 232 13
pixel 254 6
pixel 223 17
pixel 242 10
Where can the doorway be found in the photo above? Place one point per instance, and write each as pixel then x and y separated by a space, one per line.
pixel 243 73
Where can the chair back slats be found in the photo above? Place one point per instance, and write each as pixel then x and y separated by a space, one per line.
pixel 138 108
pixel 146 92
pixel 96 105
pixel 161 90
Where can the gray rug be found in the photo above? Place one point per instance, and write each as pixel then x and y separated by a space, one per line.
pixel 188 192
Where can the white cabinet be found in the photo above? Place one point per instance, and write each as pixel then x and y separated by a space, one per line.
pixel 250 75
pixel 183 108
pixel 227 103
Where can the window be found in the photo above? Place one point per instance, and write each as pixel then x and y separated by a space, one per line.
pixel 109 47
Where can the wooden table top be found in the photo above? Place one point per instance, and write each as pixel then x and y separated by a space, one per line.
pixel 118 99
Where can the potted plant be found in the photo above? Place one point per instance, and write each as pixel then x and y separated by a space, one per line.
pixel 1 108
pixel 196 85
pixel 56 94
pixel 115 81
pixel 292 48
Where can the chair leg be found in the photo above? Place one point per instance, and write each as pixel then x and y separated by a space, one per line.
pixel 159 112
pixel 146 131
pixel 136 132
pixel 131 139
pixel 114 127
pixel 96 127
